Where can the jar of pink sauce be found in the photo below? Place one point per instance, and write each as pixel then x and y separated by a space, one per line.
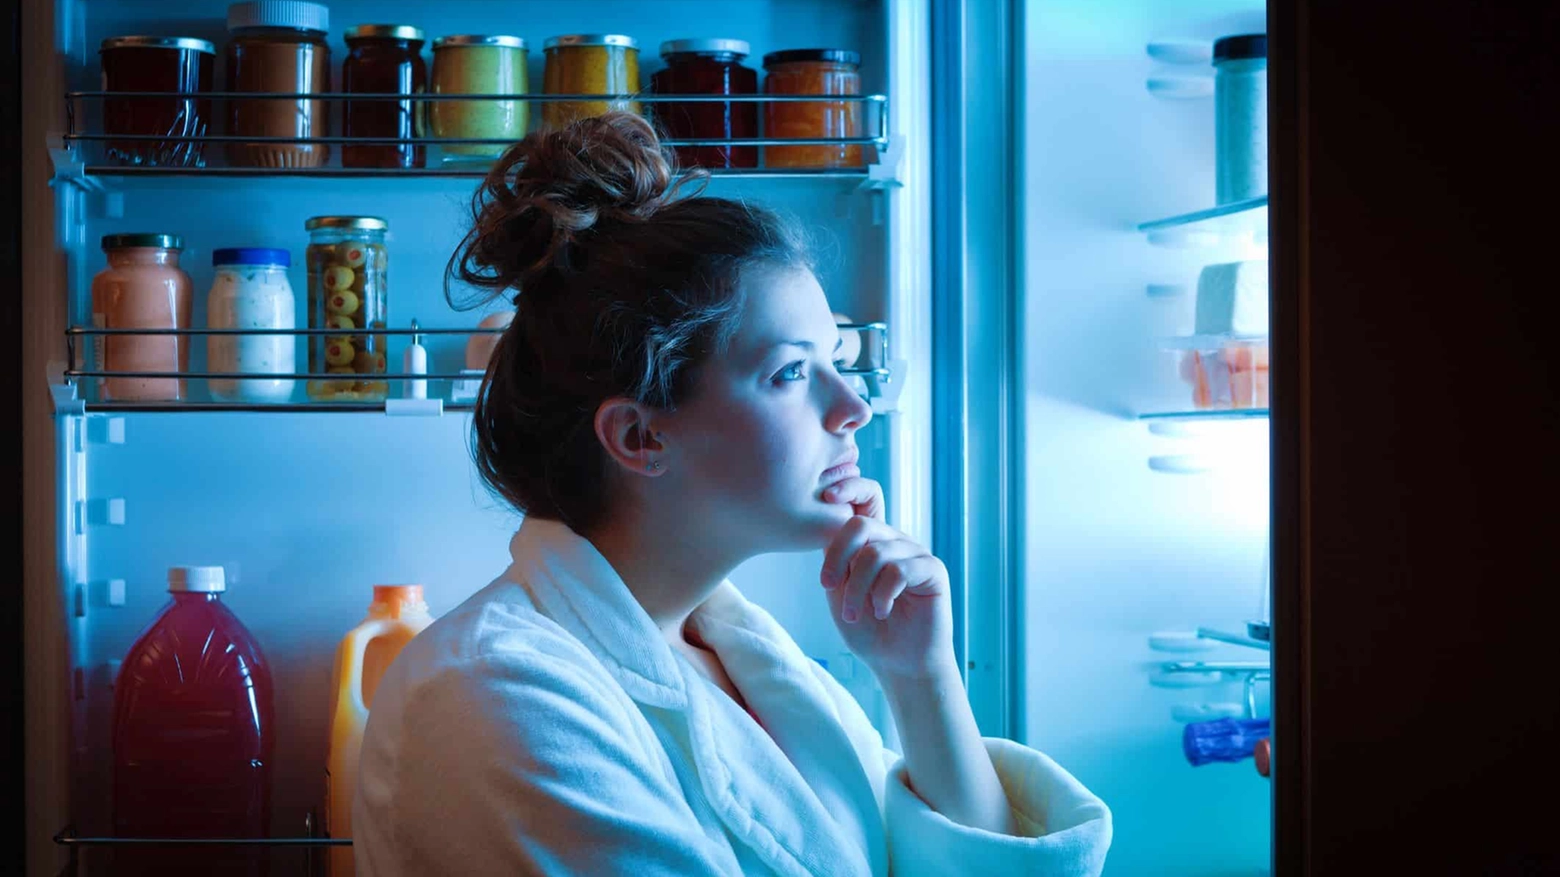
pixel 142 288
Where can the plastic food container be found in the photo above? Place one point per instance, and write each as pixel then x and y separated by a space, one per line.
pixel 1240 117
pixel 383 59
pixel 813 71
pixel 476 64
pixel 708 67
pixel 250 291
pixel 588 64
pixel 278 46
pixel 347 265
pixel 143 287
pixel 1227 374
pixel 170 64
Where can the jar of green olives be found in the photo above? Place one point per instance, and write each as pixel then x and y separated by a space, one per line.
pixel 347 290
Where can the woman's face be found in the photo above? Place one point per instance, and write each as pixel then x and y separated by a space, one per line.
pixel 771 423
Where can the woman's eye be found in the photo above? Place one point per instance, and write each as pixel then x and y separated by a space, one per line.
pixel 792 372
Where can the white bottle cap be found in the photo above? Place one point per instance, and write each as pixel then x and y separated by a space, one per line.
pixel 196 579
pixel 279 13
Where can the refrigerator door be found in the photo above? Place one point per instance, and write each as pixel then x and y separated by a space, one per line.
pixel 308 508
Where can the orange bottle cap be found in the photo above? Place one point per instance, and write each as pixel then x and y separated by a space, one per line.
pixel 398 597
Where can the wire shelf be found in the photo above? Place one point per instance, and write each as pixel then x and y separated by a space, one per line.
pixel 181 150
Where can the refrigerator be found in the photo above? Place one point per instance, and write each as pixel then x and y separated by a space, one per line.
pixel 1020 261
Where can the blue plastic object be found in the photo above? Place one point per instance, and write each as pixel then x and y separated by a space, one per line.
pixel 251 256
pixel 1223 739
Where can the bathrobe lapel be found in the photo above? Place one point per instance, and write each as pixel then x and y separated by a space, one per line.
pixel 797 795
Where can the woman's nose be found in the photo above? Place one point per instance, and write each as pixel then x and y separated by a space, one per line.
pixel 849 412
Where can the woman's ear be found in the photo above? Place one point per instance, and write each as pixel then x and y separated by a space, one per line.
pixel 623 428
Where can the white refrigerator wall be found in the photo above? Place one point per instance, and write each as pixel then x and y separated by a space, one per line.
pixel 308 511
pixel 1113 550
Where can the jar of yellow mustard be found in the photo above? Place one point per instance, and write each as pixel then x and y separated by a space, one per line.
pixel 588 64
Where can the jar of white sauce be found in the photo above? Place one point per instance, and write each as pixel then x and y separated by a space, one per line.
pixel 250 291
pixel 1240 117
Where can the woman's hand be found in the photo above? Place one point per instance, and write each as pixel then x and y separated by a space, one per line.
pixel 888 594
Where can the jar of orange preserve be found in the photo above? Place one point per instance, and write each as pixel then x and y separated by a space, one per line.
pixel 143 287
pixel 814 71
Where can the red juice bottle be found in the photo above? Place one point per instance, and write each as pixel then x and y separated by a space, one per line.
pixel 193 734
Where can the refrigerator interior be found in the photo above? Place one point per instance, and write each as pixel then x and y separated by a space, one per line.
pixel 308 510
pixel 1137 523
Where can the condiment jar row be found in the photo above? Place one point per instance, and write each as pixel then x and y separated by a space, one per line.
pixel 143 287
pixel 279 46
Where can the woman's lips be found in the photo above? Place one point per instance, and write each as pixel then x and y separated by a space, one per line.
pixel 845 468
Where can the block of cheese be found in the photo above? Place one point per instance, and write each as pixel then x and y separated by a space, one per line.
pixel 1232 299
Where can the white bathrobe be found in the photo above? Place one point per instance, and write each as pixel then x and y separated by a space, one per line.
pixel 545 726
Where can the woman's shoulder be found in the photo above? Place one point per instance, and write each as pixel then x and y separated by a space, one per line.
pixel 497 632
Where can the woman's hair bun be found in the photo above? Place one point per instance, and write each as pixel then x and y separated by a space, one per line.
pixel 554 188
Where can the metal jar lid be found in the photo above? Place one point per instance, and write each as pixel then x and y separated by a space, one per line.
pixel 591 39
pixel 385 31
pixel 189 43
pixel 142 239
pixel 832 56
pixel 1240 47
pixel 739 48
pixel 468 39
pixel 359 223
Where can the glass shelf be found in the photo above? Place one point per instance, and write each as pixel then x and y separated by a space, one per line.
pixel 1206 414
pixel 1250 216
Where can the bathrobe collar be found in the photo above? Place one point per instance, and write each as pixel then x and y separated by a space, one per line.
pixel 795 790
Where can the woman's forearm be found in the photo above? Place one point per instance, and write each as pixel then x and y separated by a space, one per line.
pixel 944 756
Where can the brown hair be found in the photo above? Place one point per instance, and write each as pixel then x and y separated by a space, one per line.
pixel 623 287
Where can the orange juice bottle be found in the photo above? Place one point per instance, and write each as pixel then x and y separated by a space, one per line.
pixel 397 614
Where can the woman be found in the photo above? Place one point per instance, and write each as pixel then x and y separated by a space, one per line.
pixel 664 406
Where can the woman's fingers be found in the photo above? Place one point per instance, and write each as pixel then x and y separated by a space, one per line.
pixel 844 545
pixel 896 578
pixel 864 495
pixel 875 560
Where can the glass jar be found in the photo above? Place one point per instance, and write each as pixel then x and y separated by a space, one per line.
pixel 813 71
pixel 347 289
pixel 708 67
pixel 383 59
pixel 1240 117
pixel 589 64
pixel 477 64
pixel 250 291
pixel 278 46
pixel 143 287
pixel 171 64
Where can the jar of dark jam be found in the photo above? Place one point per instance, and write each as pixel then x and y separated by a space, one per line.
pixel 278 47
pixel 708 67
pixel 383 59
pixel 177 65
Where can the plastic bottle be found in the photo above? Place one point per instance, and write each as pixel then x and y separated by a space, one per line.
pixel 193 734
pixel 1223 739
pixel 397 614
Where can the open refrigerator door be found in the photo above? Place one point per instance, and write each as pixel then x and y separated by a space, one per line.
pixel 204 441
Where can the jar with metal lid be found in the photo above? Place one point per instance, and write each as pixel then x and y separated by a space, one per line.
pixel 814 71
pixel 708 67
pixel 1240 117
pixel 589 64
pixel 143 287
pixel 476 64
pixel 383 59
pixel 249 290
pixel 178 65
pixel 347 270
pixel 278 47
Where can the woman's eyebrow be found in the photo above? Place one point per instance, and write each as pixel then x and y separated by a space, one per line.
pixel 805 345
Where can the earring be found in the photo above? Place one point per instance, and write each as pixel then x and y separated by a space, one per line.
pixel 654 466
